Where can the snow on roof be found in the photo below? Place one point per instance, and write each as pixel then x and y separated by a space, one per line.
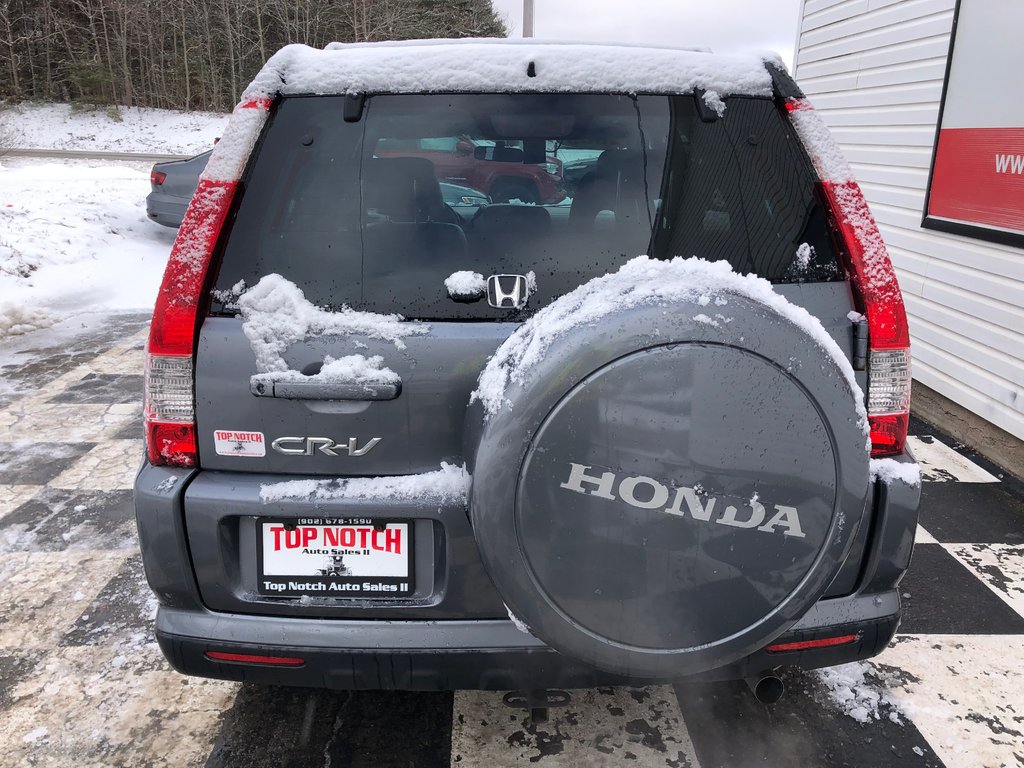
pixel 480 65
pixel 534 41
pixel 497 65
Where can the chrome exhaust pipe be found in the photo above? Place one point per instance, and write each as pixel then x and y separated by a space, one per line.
pixel 767 689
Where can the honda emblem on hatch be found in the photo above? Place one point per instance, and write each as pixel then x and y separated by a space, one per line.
pixel 507 291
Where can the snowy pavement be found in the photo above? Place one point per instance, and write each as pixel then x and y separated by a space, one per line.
pixel 82 682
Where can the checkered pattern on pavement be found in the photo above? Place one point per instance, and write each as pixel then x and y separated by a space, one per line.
pixel 82 682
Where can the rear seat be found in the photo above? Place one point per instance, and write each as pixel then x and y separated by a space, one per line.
pixel 405 192
pixel 503 238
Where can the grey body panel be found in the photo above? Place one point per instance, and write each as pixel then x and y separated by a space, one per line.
pixel 220 517
pixel 491 654
pixel 419 429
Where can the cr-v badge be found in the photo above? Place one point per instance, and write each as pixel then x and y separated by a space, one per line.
pixel 507 291
pixel 307 446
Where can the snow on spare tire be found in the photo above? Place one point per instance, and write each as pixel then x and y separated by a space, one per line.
pixel 671 467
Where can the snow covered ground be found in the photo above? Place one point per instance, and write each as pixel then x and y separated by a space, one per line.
pixel 74 238
pixel 157 131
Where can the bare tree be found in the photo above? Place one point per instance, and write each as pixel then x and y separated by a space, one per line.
pixel 9 138
pixel 195 54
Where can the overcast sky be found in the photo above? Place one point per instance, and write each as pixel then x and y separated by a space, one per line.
pixel 722 25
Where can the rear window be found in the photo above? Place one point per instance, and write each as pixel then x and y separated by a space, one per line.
pixel 376 214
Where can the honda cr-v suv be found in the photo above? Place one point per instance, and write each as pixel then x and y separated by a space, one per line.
pixel 655 431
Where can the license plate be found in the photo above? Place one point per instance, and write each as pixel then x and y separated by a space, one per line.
pixel 334 557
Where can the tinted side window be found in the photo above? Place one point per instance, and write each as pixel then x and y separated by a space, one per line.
pixel 741 189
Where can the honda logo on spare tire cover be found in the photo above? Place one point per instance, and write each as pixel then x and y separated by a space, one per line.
pixel 660 496
pixel 507 291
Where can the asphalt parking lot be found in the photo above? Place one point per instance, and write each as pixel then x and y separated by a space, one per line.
pixel 82 682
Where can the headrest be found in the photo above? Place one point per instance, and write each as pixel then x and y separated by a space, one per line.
pixel 505 154
pixel 528 219
pixel 627 162
pixel 403 189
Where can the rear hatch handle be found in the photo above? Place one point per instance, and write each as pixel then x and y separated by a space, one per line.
pixel 318 390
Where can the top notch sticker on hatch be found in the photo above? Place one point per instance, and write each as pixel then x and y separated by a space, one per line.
pixel 229 442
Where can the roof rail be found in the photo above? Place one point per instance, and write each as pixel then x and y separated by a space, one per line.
pixel 336 46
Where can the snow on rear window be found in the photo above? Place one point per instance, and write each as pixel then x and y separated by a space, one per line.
pixel 447 485
pixel 276 314
pixel 804 254
pixel 639 282
pixel 465 284
pixel 500 66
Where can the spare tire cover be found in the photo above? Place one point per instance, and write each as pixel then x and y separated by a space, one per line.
pixel 666 492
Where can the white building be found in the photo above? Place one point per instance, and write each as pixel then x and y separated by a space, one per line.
pixel 881 73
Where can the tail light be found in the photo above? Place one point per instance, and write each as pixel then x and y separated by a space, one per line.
pixel 874 284
pixel 156 178
pixel 169 406
pixel 807 645
pixel 249 658
pixel 169 409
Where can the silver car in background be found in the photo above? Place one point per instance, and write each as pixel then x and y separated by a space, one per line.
pixel 172 184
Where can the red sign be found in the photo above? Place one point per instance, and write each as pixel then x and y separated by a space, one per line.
pixel 977 182
pixel 979 177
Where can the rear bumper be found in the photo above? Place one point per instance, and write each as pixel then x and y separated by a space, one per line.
pixel 451 655
pixel 168 210
pixel 453 652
